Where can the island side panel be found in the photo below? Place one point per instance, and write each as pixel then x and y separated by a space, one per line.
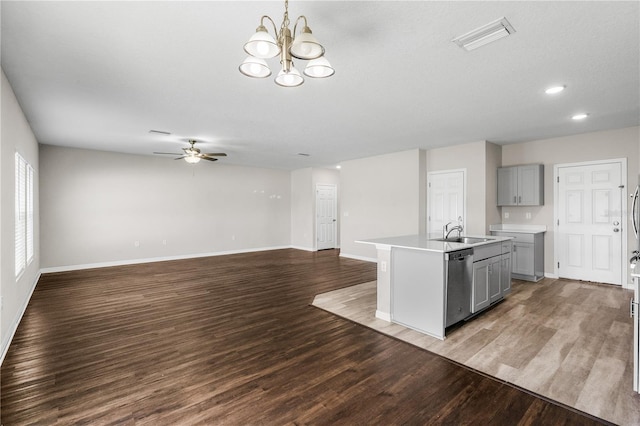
pixel 383 307
pixel 417 290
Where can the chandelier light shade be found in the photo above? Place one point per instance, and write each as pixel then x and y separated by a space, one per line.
pixel 291 78
pixel 262 45
pixel 255 67
pixel 319 68
pixel 287 45
pixel 305 46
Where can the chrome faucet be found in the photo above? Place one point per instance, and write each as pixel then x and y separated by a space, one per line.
pixel 446 231
pixel 455 228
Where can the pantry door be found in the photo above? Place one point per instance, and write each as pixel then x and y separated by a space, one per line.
pixel 590 222
pixel 326 216
pixel 445 199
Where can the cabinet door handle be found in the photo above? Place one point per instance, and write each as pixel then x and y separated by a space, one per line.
pixel 515 199
pixel 520 199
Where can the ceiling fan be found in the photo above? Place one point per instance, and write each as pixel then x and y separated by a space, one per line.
pixel 193 155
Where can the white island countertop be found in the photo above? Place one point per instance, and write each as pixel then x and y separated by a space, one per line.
pixel 428 242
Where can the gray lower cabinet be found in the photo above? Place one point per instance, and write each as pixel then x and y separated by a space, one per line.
pixel 523 258
pixel 527 256
pixel 491 275
pixel 480 297
pixel 505 267
pixel 495 291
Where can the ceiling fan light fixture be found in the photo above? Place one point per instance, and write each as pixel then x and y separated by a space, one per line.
pixel 319 68
pixel 255 67
pixel 192 159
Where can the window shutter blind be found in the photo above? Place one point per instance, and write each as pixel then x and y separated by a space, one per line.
pixel 23 215
pixel 20 214
pixel 29 212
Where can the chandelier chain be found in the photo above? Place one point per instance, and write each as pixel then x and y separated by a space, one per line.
pixel 285 21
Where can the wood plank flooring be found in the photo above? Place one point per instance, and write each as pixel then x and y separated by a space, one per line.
pixel 233 340
pixel 570 341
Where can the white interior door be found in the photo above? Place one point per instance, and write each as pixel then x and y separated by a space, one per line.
pixel 589 222
pixel 445 198
pixel 326 216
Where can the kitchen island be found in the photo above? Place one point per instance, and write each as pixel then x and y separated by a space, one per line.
pixel 428 284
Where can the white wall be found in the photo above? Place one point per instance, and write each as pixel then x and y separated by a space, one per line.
pixel 493 161
pixel 96 205
pixel 16 136
pixel 302 213
pixel 620 143
pixel 303 204
pixel 473 158
pixel 380 198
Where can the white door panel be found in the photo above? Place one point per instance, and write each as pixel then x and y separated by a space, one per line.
pixel 589 218
pixel 445 199
pixel 326 216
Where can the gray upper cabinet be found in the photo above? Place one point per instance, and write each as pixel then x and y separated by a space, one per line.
pixel 521 185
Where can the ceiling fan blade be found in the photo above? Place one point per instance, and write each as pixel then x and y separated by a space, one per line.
pixel 209 159
pixel 180 158
pixel 168 153
pixel 215 154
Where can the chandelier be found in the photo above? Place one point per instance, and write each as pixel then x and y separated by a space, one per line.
pixel 304 45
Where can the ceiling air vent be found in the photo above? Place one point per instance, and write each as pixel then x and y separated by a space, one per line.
pixel 485 34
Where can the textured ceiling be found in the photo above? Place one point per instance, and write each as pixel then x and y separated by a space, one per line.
pixel 100 75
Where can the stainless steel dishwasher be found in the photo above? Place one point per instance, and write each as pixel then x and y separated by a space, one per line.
pixel 459 279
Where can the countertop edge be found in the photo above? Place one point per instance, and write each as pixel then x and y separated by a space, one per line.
pixel 426 243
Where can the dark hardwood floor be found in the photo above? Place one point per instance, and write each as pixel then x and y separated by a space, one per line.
pixel 233 340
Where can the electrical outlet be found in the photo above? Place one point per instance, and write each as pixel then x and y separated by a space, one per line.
pixel 233 237
pixel 164 242
pixel 506 215
pixel 527 215
pixel 383 266
pixel 136 243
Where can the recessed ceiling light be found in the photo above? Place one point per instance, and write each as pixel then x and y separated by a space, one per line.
pixel 338 166
pixel 580 116
pixel 555 89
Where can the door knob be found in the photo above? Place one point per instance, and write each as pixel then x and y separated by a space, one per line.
pixel 616 223
pixel 615 230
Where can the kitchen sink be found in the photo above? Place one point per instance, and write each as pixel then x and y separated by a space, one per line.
pixel 464 240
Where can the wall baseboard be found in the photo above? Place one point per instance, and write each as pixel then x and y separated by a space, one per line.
pixel 155 259
pixel 383 316
pixel 303 248
pixel 550 275
pixel 356 257
pixel 16 322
